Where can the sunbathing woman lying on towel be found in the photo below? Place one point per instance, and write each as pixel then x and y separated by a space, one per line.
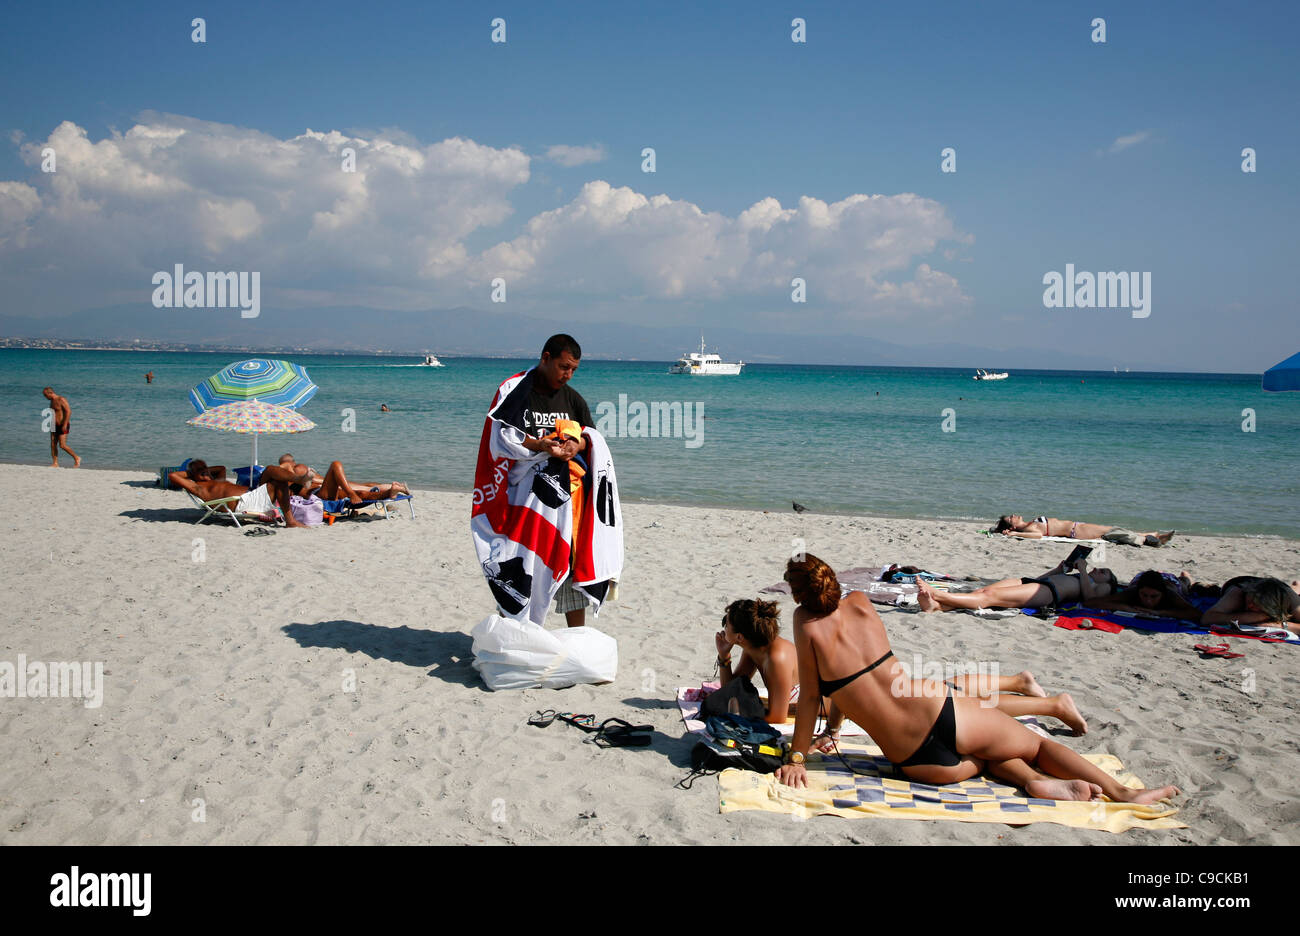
pixel 932 737
pixel 1016 525
pixel 334 485
pixel 1258 601
pixel 1055 587
pixel 755 627
pixel 1149 593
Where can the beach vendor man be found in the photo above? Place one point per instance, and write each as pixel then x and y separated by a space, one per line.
pixel 523 505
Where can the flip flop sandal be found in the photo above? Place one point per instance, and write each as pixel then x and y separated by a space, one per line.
pixel 615 732
pixel 1220 650
pixel 259 531
pixel 543 718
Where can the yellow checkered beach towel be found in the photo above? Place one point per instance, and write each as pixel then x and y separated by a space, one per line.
pixel 875 788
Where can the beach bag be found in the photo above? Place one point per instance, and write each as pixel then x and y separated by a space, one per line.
pixel 309 511
pixel 744 743
pixel 511 654
pixel 740 690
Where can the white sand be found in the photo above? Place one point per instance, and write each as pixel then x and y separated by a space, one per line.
pixel 224 680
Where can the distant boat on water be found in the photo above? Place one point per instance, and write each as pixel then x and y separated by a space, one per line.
pixel 989 375
pixel 701 364
pixel 431 360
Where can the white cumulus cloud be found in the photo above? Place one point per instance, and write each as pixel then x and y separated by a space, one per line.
pixel 419 225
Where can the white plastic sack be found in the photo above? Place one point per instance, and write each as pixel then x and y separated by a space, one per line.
pixel 512 654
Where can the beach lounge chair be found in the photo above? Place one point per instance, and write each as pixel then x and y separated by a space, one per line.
pixel 221 509
pixel 343 507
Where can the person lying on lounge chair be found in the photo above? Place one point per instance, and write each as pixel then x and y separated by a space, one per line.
pixel 207 472
pixel 273 491
pixel 755 626
pixel 1150 593
pixel 334 485
pixel 1258 601
pixel 1016 525
pixel 1057 586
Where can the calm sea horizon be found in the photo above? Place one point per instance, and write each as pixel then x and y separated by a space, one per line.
pixel 1201 453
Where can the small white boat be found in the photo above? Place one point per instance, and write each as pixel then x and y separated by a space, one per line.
pixel 989 375
pixel 431 361
pixel 702 364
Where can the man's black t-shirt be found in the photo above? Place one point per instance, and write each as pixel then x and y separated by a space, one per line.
pixel 545 406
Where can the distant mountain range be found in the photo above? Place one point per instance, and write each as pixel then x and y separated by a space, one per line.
pixel 480 332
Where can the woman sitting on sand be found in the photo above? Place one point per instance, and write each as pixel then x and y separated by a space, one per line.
pixel 1055 587
pixel 1016 525
pixel 1149 593
pixel 932 737
pixel 1256 601
pixel 755 627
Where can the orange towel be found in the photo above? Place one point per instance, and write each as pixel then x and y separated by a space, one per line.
pixel 568 428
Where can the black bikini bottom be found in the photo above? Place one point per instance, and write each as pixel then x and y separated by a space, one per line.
pixel 1056 596
pixel 940 747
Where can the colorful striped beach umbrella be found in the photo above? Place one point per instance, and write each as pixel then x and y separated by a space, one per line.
pixel 252 416
pixel 1284 376
pixel 280 382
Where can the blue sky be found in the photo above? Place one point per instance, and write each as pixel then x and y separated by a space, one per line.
pixel 737 114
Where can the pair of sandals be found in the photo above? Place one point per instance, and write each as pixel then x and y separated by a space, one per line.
pixel 612 732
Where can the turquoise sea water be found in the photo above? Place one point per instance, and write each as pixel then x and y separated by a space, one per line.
pixel 1139 450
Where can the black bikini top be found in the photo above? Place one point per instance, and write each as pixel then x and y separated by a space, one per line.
pixel 835 685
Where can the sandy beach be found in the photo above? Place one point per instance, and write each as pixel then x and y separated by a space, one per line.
pixel 228 661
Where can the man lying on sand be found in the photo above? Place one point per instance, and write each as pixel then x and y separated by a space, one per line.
pixel 1056 586
pixel 1016 525
pixel 755 626
pixel 931 738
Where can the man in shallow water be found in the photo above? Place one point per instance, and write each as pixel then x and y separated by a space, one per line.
pixel 62 424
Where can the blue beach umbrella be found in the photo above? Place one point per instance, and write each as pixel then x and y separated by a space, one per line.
pixel 281 383
pixel 1284 376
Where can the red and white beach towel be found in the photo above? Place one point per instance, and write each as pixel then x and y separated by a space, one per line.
pixel 522 517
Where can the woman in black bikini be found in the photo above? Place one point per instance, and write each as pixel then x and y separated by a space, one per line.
pixel 1058 585
pixel 933 737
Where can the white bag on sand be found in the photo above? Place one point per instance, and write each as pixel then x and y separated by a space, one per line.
pixel 512 654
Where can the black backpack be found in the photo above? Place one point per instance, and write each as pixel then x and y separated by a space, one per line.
pixel 742 691
pixel 745 743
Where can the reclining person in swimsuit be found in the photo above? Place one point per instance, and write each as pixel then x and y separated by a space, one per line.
pixel 1256 601
pixel 334 485
pixel 273 491
pixel 1056 586
pixel 933 739
pixel 1037 528
pixel 755 627
pixel 1149 593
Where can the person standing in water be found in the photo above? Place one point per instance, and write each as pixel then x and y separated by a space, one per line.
pixel 62 424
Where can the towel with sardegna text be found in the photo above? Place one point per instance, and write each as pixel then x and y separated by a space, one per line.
pixel 522 519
